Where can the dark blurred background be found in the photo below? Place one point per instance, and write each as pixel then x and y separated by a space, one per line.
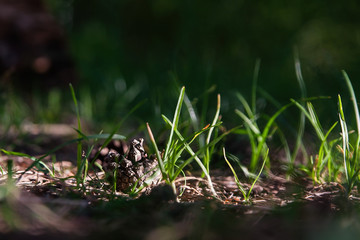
pixel 119 52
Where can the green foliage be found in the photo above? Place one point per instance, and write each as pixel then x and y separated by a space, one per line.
pixel 325 154
pixel 336 159
pixel 80 161
pixel 246 194
pixel 350 151
pixel 327 165
pixel 257 136
pixel 170 162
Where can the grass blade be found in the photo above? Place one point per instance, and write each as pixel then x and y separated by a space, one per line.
pixel 157 152
pixel 35 160
pixel 175 120
pixel 345 138
pixel 79 144
pixel 237 181
pixel 248 122
pixel 192 153
pixel 357 116
pixel 257 177
pixel 212 127
pixel 301 127
pixel 254 84
pixel 246 106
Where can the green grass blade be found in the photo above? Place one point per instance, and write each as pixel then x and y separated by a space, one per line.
pixel 35 160
pixel 353 99
pixel 76 106
pixel 157 152
pixel 192 153
pixel 257 177
pixel 345 139
pixel 301 127
pixel 243 168
pixel 215 120
pixel 79 144
pixel 175 120
pixel 299 76
pixel 248 122
pixel 237 181
pixel 312 117
pixel 10 164
pixel 302 108
pixel 246 106
pixel 266 130
pixel 192 113
pixel 212 127
pixel 83 170
pixel 39 160
pixel 323 152
pixel 284 143
pixel 345 146
pixel 201 150
pixel 254 84
pixel 357 116
pixel 315 121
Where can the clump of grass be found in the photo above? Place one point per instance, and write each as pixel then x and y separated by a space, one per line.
pixel 170 163
pixel 327 165
pixel 210 150
pixel 82 163
pixel 246 194
pixel 258 136
pixel 212 131
pixel 350 151
pixel 325 156
pixel 197 119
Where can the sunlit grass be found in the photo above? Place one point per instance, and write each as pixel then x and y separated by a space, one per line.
pixel 191 146
pixel 246 194
pixel 170 161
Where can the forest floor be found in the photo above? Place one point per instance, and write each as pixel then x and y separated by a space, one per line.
pixel 39 207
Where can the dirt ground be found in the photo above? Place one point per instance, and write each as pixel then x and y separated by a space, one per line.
pixel 40 207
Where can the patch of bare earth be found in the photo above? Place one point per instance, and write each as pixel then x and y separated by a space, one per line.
pixel 43 207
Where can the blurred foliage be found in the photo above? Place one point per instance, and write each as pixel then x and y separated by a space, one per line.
pixel 121 43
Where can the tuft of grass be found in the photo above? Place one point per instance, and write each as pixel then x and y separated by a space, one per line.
pixel 79 157
pixel 357 116
pixel 170 161
pixel 257 136
pixel 350 152
pixel 250 116
pixel 246 194
pixel 325 154
pixel 326 165
pixel 210 150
